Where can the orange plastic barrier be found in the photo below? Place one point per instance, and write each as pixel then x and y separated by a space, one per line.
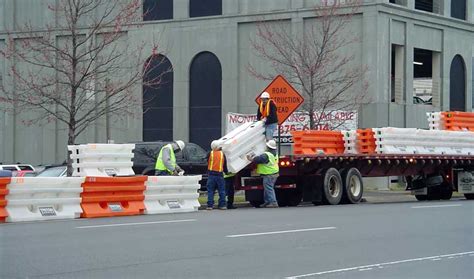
pixel 3 201
pixel 458 120
pixel 366 141
pixel 312 142
pixel 113 196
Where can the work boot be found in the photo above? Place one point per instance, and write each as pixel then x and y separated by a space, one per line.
pixel 271 205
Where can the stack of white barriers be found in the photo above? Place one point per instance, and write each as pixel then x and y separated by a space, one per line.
pixel 418 141
pixel 247 139
pixel 102 159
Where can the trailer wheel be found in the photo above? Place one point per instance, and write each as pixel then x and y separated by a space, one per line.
pixel 294 197
pixel 421 197
pixel 282 197
pixel 353 186
pixel 434 193
pixel 469 196
pixel 446 191
pixel 332 187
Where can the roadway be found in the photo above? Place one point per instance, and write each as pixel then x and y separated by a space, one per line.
pixel 368 240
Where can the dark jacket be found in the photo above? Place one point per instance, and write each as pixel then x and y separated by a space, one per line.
pixel 272 115
pixel 216 173
pixel 262 158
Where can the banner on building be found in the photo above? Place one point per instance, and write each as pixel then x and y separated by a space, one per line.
pixel 334 120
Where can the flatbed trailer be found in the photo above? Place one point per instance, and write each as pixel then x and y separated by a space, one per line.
pixel 334 179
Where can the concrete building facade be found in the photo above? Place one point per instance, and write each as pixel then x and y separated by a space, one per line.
pixel 394 33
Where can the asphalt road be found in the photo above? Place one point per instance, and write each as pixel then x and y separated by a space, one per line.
pixel 392 240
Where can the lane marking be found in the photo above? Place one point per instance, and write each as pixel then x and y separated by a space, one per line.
pixel 435 206
pixel 364 267
pixel 136 224
pixel 280 232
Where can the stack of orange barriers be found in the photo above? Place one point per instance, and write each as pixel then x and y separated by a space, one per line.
pixel 3 202
pixel 113 196
pixel 366 141
pixel 458 120
pixel 313 142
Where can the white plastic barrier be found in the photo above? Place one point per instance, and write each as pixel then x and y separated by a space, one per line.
pixel 418 141
pixel 44 198
pixel 434 121
pixel 248 139
pixel 395 140
pixel 102 159
pixel 350 141
pixel 170 194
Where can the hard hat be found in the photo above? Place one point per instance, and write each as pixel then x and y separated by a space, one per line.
pixel 265 95
pixel 180 144
pixel 214 144
pixel 271 144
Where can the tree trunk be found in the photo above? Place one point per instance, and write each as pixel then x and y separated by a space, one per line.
pixel 70 141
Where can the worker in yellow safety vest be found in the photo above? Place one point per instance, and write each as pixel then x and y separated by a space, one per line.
pixel 216 167
pixel 267 167
pixel 166 161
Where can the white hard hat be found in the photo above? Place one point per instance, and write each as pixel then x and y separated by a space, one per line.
pixel 214 144
pixel 271 144
pixel 180 144
pixel 265 95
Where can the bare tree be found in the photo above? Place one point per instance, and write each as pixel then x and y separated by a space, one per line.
pixel 80 68
pixel 319 61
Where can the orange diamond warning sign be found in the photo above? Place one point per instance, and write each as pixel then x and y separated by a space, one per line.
pixel 286 98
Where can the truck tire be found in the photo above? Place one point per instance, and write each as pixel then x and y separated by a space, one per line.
pixel 469 196
pixel 434 193
pixel 332 187
pixel 421 197
pixel 294 197
pixel 353 186
pixel 446 191
pixel 282 197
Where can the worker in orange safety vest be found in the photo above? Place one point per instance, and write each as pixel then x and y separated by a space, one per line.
pixel 216 167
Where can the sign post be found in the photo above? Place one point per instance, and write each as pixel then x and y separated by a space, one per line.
pixel 286 99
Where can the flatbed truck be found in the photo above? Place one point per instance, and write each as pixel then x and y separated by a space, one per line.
pixel 335 179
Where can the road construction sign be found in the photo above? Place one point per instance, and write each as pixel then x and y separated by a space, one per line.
pixel 286 98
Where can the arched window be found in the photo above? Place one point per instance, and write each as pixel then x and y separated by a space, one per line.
pixel 157 9
pixel 199 8
pixel 158 100
pixel 457 84
pixel 205 99
pixel 458 9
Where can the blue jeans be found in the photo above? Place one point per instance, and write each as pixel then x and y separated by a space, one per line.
pixel 268 188
pixel 270 130
pixel 214 181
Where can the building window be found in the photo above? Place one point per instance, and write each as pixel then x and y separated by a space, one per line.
pixel 199 8
pixel 399 2
pixel 424 5
pixel 158 100
pixel 457 85
pixel 205 99
pixel 458 9
pixel 157 9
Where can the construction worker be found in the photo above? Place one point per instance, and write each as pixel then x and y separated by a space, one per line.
pixel 267 167
pixel 166 161
pixel 229 189
pixel 267 112
pixel 216 167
